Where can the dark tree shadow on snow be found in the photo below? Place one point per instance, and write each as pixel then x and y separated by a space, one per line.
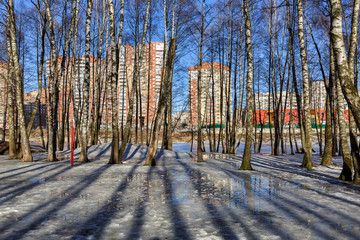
pixel 24 227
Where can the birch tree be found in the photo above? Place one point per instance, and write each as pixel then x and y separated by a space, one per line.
pixel 25 146
pixel 10 89
pixel 307 161
pixel 199 132
pixel 355 151
pixel 327 157
pixel 54 76
pixel 98 87
pixel 51 106
pixel 246 161
pixel 86 86
pixel 150 159
pixel 347 171
pixel 336 36
pixel 115 157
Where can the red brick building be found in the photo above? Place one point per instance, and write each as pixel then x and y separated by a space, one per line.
pixel 318 116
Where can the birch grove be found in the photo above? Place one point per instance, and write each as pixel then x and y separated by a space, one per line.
pixel 227 76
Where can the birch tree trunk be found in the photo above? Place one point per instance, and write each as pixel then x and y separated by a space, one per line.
pixel 294 81
pixel 235 107
pixel 4 116
pixel 291 118
pixel 246 161
pixel 76 106
pixel 115 158
pixel 10 87
pixel 165 53
pixel 169 108
pixel 347 171
pixel 221 70
pixel 307 161
pixel 351 60
pixel 54 77
pixel 127 131
pixel 148 80
pixel 59 76
pixel 86 86
pixel 327 157
pixel 25 146
pixel 336 36
pixel 98 74
pixel 51 125
pixel 150 159
pixel 199 132
pixel 328 151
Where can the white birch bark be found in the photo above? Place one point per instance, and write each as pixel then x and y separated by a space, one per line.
pixel 307 161
pixel 86 86
pixel 347 171
pixel 25 145
pixel 246 161
pixel 336 36
pixel 115 157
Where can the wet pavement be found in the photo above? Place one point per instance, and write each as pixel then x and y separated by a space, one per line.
pixel 178 199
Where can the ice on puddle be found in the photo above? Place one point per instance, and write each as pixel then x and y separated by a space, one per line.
pixel 178 199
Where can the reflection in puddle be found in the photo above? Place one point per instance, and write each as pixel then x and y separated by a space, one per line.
pixel 265 197
pixel 266 147
pixel 222 196
pixel 251 192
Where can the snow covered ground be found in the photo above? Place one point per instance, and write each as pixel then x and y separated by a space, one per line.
pixel 178 199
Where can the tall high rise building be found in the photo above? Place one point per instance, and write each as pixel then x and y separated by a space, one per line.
pixel 211 76
pixel 149 81
pixel 148 85
pixel 151 88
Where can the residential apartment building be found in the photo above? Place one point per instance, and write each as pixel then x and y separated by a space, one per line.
pixel 149 80
pixel 211 76
pixel 149 84
pixel 261 100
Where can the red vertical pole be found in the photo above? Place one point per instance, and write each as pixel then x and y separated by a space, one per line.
pixel 72 145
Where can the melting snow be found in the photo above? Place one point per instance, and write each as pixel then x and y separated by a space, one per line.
pixel 178 199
